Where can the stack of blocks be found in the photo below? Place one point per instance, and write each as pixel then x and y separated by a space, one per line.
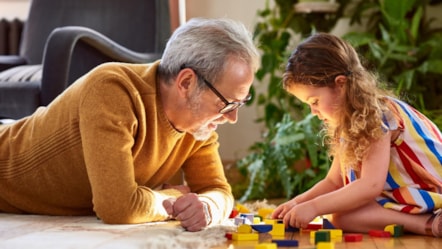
pixel 249 226
pixel 323 235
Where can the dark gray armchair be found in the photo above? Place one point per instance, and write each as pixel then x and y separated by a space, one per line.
pixel 63 39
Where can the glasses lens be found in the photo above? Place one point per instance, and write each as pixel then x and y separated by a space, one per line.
pixel 234 105
pixel 230 107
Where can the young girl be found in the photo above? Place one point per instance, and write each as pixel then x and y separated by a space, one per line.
pixel 387 157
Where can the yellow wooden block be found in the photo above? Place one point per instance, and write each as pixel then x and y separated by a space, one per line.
pixel 334 233
pixel 325 245
pixel 245 236
pixel 256 220
pixel 271 221
pixel 278 229
pixel 265 212
pixel 266 246
pixel 395 230
pixel 244 228
pixel 241 208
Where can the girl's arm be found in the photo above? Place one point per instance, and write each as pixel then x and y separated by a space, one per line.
pixel 358 193
pixel 374 171
pixel 330 183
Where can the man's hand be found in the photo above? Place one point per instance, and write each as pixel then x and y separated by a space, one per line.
pixel 189 210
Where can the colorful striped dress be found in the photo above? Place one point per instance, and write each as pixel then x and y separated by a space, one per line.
pixel 414 180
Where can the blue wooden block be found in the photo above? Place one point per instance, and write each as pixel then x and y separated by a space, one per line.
pixel 285 242
pixel 291 229
pixel 326 224
pixel 262 228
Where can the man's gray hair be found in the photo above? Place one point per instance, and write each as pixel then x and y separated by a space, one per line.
pixel 206 45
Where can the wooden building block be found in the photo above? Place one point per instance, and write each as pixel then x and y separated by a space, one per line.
pixel 272 221
pixel 229 235
pixel 326 224
pixel 262 228
pixel 266 246
pixel 244 228
pixel 395 230
pixel 291 229
pixel 325 245
pixel 248 218
pixel 322 236
pixel 379 233
pixel 285 242
pixel 334 233
pixel 353 237
pixel 278 230
pixel 314 226
pixel 265 212
pixel 239 220
pixel 245 236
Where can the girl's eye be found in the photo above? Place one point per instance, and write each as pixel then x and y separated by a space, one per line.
pixel 314 102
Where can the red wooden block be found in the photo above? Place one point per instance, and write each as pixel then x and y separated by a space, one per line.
pixel 313 226
pixel 234 213
pixel 229 235
pixel 379 233
pixel 353 237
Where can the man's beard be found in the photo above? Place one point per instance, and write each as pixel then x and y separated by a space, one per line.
pixel 203 132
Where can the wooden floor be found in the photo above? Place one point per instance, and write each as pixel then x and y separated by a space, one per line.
pixel 34 231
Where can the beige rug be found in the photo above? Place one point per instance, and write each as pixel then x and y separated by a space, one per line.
pixel 34 231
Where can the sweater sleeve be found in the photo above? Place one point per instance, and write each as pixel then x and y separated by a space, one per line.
pixel 204 173
pixel 108 128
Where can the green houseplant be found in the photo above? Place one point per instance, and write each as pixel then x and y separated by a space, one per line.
pixel 404 49
pixel 392 46
pixel 289 160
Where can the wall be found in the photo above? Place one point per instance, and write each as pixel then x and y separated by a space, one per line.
pixel 11 9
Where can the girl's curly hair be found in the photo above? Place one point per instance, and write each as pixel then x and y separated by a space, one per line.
pixel 317 61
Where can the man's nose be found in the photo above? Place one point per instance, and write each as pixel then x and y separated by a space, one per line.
pixel 232 116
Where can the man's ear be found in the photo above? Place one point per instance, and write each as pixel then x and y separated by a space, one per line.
pixel 184 80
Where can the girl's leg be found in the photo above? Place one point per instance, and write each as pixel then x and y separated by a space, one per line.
pixel 375 217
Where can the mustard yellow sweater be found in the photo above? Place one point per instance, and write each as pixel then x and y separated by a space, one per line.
pixel 101 148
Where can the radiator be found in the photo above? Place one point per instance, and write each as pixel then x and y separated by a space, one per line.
pixel 10 34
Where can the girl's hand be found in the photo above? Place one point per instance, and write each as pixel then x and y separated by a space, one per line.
pixel 282 209
pixel 300 215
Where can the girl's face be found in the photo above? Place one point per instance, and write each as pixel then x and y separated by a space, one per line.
pixel 323 101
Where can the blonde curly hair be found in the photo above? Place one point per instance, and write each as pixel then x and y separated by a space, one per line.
pixel 317 61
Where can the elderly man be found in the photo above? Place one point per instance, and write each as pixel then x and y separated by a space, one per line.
pixel 107 145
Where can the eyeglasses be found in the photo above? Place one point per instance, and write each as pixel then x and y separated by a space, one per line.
pixel 229 106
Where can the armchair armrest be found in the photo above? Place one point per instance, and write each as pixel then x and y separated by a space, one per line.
pixel 10 61
pixel 59 54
